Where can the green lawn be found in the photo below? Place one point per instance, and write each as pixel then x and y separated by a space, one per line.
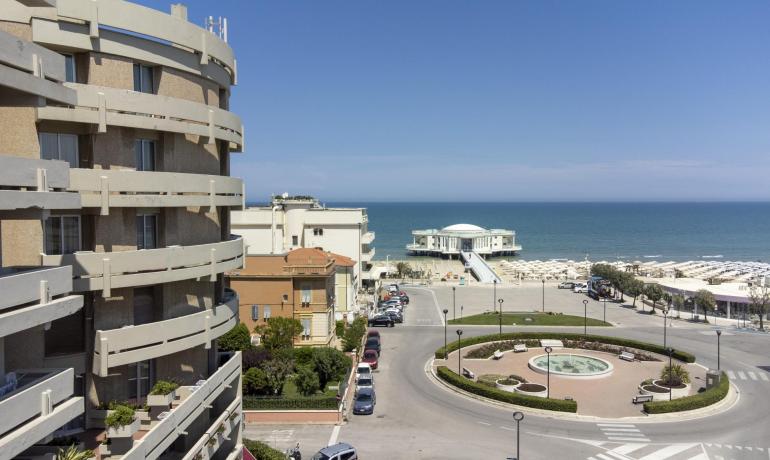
pixel 520 319
pixel 290 390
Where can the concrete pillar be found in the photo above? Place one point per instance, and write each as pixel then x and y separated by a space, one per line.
pixel 728 310
pixel 2 359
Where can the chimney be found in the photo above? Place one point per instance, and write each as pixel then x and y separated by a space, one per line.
pixel 179 10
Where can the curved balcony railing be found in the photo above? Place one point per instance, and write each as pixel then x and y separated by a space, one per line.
pixel 368 256
pixel 104 271
pixel 107 189
pixel 132 344
pixel 103 106
pixel 29 184
pixel 367 238
pixel 223 429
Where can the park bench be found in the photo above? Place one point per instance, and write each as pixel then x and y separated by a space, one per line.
pixel 468 374
pixel 519 347
pixel 497 355
pixel 551 343
pixel 627 356
pixel 641 399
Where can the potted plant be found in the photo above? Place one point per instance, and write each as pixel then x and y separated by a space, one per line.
pixel 122 422
pixel 673 379
pixel 162 393
pixel 507 384
pixel 74 453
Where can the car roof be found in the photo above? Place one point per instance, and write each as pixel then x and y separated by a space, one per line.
pixel 366 391
pixel 336 449
pixel 364 365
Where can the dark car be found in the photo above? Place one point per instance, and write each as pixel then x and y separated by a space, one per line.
pixel 373 333
pixel 370 358
pixel 364 402
pixel 382 320
pixel 373 343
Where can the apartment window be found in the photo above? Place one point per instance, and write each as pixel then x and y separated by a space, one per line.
pixel 66 335
pixel 143 79
pixel 266 312
pixel 144 305
pixel 306 325
pixel 145 154
pixel 146 231
pixel 318 232
pixel 70 71
pixel 62 235
pixel 255 312
pixel 57 146
pixel 307 293
pixel 294 240
pixel 139 377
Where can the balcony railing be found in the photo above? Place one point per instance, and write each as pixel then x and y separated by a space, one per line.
pixel 367 238
pixel 103 271
pixel 34 180
pixel 107 189
pixel 162 435
pixel 103 106
pixel 35 285
pixel 229 420
pixel 368 256
pixel 41 403
pixel 132 344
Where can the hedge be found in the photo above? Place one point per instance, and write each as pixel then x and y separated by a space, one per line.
pixel 499 395
pixel 262 451
pixel 651 347
pixel 707 398
pixel 270 403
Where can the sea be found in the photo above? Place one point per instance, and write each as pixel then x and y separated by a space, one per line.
pixel 597 231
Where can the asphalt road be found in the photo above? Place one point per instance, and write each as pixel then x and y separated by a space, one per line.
pixel 416 419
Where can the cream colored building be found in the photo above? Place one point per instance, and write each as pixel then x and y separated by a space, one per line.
pixel 115 138
pixel 452 240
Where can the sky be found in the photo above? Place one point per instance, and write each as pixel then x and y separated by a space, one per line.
pixel 498 100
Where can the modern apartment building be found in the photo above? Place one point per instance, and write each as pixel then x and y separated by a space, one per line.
pixel 302 222
pixel 115 138
pixel 299 285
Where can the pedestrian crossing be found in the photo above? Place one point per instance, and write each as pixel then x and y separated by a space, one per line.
pixel 622 432
pixel 647 451
pixel 758 376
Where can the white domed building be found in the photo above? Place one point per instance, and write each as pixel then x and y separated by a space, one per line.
pixel 450 241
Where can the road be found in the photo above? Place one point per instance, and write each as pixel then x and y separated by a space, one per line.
pixel 416 419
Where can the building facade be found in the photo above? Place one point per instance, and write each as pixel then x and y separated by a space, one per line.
pixel 298 285
pixel 452 240
pixel 115 146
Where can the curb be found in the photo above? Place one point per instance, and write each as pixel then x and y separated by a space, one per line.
pixel 732 398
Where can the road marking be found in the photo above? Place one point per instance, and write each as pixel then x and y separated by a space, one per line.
pixel 741 375
pixel 628 448
pixel 624 425
pixel 603 457
pixel 613 438
pixel 668 451
pixel 763 376
pixel 621 429
pixel 435 303
pixel 702 456
pixel 753 376
pixel 483 423
pixel 616 456
pixel 508 428
pixel 335 434
pixel 731 374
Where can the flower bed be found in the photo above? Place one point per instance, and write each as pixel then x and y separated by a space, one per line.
pixel 532 389
pixel 704 399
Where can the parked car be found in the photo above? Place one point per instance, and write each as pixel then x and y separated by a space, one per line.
pixel 371 358
pixel 373 333
pixel 580 287
pixel 382 320
pixel 363 369
pixel 373 343
pixel 340 451
pixel 566 285
pixel 364 402
pixel 396 315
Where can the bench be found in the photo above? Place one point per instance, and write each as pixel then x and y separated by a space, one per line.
pixel 497 355
pixel 627 356
pixel 519 347
pixel 641 399
pixel 551 343
pixel 468 374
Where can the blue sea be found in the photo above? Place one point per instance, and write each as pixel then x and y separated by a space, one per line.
pixel 602 231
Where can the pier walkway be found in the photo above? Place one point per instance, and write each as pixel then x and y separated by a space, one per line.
pixel 479 267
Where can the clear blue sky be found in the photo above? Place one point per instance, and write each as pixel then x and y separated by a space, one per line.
pixel 501 100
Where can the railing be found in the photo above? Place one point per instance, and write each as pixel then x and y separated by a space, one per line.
pixel 368 256
pixel 480 268
pixel 132 344
pixel 162 435
pixel 94 271
pixel 229 420
pixel 367 238
pixel 103 106
pixel 106 189
pixel 37 178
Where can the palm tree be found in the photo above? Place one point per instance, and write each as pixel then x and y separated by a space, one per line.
pixel 72 453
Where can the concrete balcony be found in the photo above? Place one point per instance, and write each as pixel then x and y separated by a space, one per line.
pixel 103 271
pixel 31 186
pixel 103 106
pixel 367 238
pixel 132 344
pixel 40 404
pixel 213 442
pixel 200 398
pixel 107 189
pixel 367 256
pixel 27 298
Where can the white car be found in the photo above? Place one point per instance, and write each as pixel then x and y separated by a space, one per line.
pixel 580 287
pixel 365 381
pixel 363 369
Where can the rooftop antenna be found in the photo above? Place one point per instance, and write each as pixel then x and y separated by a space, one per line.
pixel 217 27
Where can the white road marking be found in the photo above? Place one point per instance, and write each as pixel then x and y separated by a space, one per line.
pixel 741 375
pixel 508 428
pixel 335 434
pixel 435 303
pixel 616 456
pixel 626 425
pixel 701 456
pixel 613 438
pixel 603 457
pixel 628 448
pixel 731 374
pixel 621 429
pixel 483 423
pixel 668 451
pixel 763 376
pixel 753 376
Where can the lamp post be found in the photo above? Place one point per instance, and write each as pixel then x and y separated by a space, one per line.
pixel 459 350
pixel 500 317
pixel 719 334
pixel 670 372
pixel 517 416
pixel 461 311
pixel 585 317
pixel 605 309
pixel 665 314
pixel 548 351
pixel 494 293
pixel 454 310
pixel 543 280
pixel 445 312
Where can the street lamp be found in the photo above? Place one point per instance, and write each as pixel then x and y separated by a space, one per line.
pixel 548 351
pixel 454 310
pixel 461 311
pixel 445 312
pixel 459 350
pixel 670 372
pixel 605 308
pixel 543 280
pixel 500 316
pixel 517 416
pixel 585 317
pixel 494 293
pixel 665 314
pixel 719 334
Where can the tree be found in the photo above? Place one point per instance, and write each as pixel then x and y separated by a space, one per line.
pixel 653 292
pixel 254 381
pixel 329 364
pixel 277 369
pixel 279 332
pixel 675 374
pixel 705 299
pixel 759 297
pixel 403 269
pixel 306 381
pixel 634 288
pixel 236 339
pixel 353 335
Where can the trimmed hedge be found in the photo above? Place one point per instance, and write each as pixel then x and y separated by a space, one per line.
pixel 707 398
pixel 270 403
pixel 651 347
pixel 513 398
pixel 262 451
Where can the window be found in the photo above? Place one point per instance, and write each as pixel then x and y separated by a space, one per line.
pixel 146 231
pixel 139 376
pixel 255 312
pixel 294 240
pixel 70 73
pixel 144 305
pixel 266 312
pixel 318 232
pixel 143 79
pixel 62 235
pixel 56 146
pixel 145 154
pixel 307 293
pixel 306 325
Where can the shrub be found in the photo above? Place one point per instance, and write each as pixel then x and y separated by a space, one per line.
pixel 254 381
pixel 303 356
pixel 351 340
pixel 72 453
pixel 676 375
pixel 262 451
pixel 306 381
pixel 273 403
pixel 707 398
pixel 163 387
pixel 329 364
pixel 255 357
pixel 509 381
pixel 513 398
pixel 236 339
pixel 339 328
pixel 121 416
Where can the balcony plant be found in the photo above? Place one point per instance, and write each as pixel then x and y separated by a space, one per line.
pixel 162 393
pixel 122 422
pixel 73 453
